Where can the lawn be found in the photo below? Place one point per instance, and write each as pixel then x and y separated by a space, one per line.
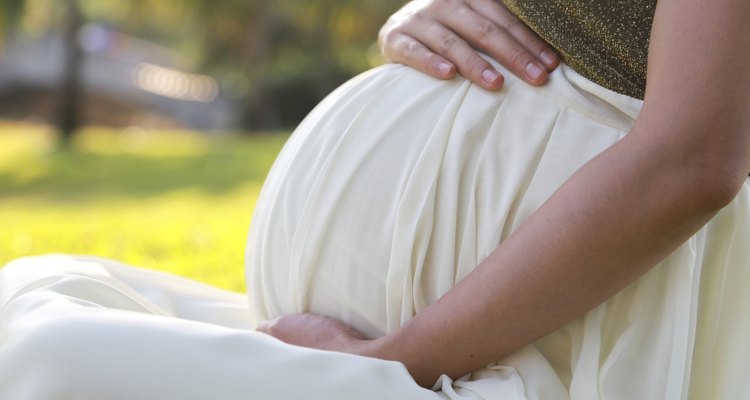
pixel 175 201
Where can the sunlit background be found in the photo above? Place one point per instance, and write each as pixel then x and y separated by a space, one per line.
pixel 142 130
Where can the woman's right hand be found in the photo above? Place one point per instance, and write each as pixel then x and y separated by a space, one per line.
pixel 441 37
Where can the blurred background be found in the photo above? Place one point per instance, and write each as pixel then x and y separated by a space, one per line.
pixel 142 130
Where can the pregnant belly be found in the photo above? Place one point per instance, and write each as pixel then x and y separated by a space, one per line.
pixel 397 185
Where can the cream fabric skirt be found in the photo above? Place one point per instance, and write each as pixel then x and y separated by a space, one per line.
pixel 391 191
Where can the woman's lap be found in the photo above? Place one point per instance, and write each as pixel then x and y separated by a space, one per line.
pixel 77 328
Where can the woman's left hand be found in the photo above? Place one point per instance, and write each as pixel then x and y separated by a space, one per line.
pixel 316 331
pixel 442 37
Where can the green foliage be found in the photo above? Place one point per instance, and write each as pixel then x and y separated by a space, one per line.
pixel 179 202
pixel 10 11
pixel 272 44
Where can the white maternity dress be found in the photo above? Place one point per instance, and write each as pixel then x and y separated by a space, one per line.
pixel 389 193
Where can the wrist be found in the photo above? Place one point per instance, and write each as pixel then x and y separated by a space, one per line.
pixel 377 348
pixel 395 347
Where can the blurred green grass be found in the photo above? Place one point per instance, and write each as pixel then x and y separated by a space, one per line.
pixel 174 201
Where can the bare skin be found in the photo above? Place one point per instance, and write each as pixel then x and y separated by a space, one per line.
pixel 686 158
pixel 439 37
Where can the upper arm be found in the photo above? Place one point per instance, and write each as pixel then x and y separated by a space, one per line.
pixel 698 85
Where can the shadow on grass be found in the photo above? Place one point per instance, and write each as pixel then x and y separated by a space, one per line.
pixel 216 170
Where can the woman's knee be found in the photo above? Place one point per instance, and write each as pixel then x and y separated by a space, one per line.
pixel 38 356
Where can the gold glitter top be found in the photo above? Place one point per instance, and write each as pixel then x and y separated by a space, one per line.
pixel 604 40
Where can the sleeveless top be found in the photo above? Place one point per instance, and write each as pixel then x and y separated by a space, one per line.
pixel 604 40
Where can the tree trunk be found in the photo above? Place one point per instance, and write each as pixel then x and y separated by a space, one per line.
pixel 263 112
pixel 71 91
pixel 325 81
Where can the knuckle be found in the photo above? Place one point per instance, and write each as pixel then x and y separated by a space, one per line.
pixel 448 42
pixel 518 57
pixel 388 36
pixel 412 49
pixel 486 29
pixel 462 12
pixel 389 43
pixel 475 65
pixel 418 15
pixel 510 22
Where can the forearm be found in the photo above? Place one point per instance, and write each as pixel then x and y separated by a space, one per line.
pixel 600 231
pixel 616 217
pixel 612 221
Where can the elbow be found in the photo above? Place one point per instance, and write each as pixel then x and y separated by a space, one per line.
pixel 708 165
pixel 714 188
pixel 708 148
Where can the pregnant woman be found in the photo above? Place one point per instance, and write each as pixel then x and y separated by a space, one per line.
pixel 582 239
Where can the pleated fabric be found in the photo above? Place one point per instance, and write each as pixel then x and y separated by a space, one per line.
pixel 391 191
pixel 398 185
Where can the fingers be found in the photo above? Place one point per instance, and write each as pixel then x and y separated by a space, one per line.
pixel 498 40
pixel 497 13
pixel 428 46
pixel 503 18
pixel 407 50
pixel 267 327
pixel 440 37
pixel 468 62
pixel 316 331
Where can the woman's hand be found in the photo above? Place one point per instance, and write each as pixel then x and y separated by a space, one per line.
pixel 439 37
pixel 316 331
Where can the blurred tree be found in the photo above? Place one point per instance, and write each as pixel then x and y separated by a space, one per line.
pixel 278 58
pixel 315 46
pixel 70 94
pixel 71 99
pixel 10 11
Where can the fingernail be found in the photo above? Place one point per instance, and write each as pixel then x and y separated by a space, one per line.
pixel 444 68
pixel 534 70
pixel 490 75
pixel 548 57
